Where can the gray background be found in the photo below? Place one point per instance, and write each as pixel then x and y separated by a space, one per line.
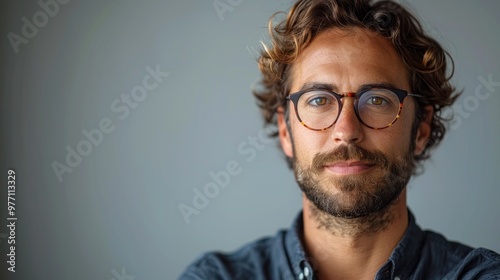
pixel 118 209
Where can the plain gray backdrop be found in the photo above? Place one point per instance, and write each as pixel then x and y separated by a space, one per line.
pixel 117 212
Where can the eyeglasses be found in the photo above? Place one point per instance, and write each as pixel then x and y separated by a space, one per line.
pixel 376 108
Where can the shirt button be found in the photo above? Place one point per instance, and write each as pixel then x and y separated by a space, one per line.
pixel 306 271
pixel 301 276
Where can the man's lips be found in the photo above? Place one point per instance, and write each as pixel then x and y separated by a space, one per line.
pixel 349 167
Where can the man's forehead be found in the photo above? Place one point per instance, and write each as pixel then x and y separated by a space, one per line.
pixel 347 41
pixel 353 53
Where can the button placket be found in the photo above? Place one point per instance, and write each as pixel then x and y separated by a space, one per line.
pixel 305 271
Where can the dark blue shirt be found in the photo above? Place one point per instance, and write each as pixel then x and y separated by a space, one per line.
pixel 419 255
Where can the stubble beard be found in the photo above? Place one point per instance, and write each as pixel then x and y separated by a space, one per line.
pixel 354 204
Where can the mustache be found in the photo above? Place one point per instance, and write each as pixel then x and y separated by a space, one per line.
pixel 349 152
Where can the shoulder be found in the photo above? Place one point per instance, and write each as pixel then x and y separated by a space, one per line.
pixel 245 263
pixel 479 263
pixel 460 261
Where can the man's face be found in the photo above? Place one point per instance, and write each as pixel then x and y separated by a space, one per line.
pixel 350 170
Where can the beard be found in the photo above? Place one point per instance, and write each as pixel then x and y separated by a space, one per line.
pixel 354 196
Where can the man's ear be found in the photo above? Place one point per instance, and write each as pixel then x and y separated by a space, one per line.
pixel 284 134
pixel 424 130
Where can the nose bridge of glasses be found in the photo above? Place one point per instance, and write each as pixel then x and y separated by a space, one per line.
pixel 347 105
pixel 343 95
pixel 348 94
pixel 347 125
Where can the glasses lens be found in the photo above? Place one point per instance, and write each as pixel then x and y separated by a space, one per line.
pixel 317 109
pixel 378 107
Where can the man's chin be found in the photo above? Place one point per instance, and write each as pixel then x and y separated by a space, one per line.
pixel 347 211
pixel 351 198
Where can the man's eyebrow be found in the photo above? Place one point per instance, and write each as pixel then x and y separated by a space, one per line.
pixel 313 85
pixel 376 85
pixel 334 88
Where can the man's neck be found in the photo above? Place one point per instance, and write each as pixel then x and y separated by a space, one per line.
pixel 353 248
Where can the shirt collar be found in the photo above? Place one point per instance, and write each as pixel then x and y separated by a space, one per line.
pixel 295 250
pixel 401 262
pixel 406 254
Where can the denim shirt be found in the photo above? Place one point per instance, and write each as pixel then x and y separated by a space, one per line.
pixel 419 255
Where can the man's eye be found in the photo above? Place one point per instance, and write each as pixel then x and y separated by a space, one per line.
pixel 375 100
pixel 319 101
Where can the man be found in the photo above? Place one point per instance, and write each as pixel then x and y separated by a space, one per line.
pixel 355 89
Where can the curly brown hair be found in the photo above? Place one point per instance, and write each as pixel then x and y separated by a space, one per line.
pixel 424 58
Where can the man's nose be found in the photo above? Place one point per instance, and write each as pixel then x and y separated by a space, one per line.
pixel 347 129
